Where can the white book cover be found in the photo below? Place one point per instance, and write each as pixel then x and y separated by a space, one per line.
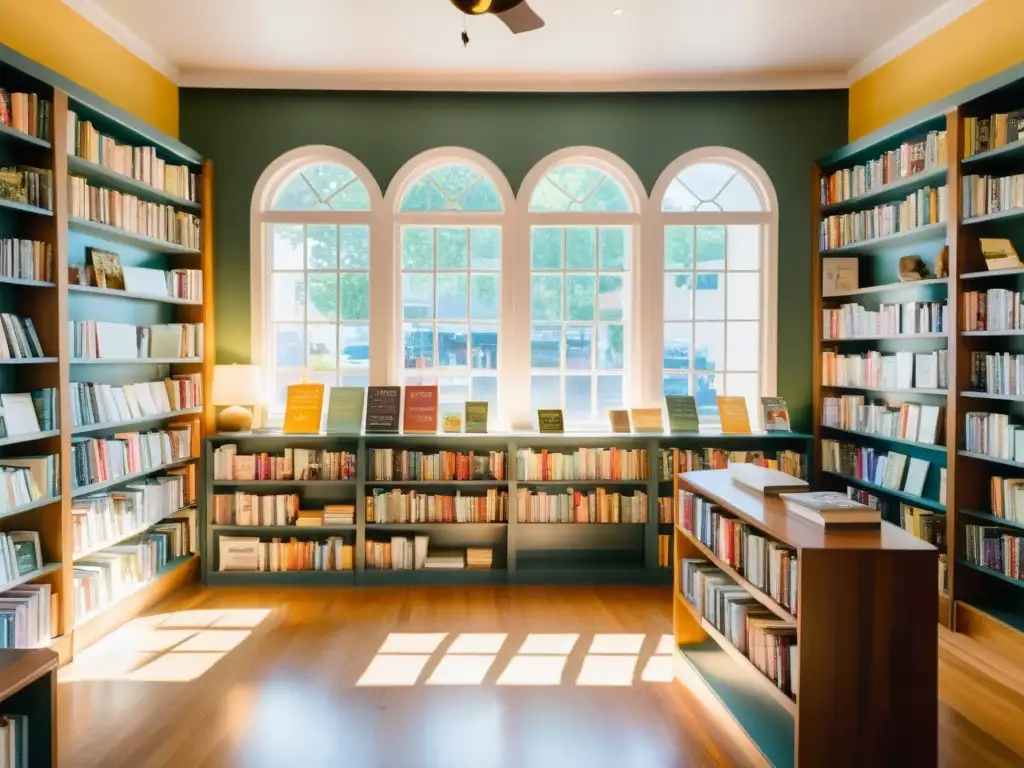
pixel 764 480
pixel 117 341
pixel 165 341
pixel 913 422
pixel 420 544
pixel 929 426
pixel 145 398
pixel 904 370
pixel 19 413
pixel 152 282
pixel 880 468
pixel 894 466
pixel 132 402
pixel 916 475
pixel 123 412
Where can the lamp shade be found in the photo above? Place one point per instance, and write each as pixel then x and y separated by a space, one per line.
pixel 237 385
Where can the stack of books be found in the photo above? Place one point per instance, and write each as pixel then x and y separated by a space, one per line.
pixel 411 507
pixel 831 508
pixel 597 506
pixel 340 514
pixel 584 464
pixel 26 259
pixel 309 518
pixel 479 558
pixel 445 560
pixel 18 338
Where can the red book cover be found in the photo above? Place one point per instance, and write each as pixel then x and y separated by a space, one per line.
pixel 420 416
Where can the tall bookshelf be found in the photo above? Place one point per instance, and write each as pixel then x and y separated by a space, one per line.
pixel 52 305
pixel 523 552
pixel 978 600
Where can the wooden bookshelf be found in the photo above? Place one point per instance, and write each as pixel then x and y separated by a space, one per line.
pixel 524 553
pixel 853 587
pixel 52 304
pixel 28 687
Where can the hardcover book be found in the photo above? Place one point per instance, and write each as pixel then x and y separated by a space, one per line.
pixel 618 419
pixel 550 421
pixel 451 418
pixel 476 417
pixel 647 420
pixel 682 413
pixel 303 409
pixel 734 415
pixel 776 415
pixel 345 411
pixel 420 415
pixel 383 405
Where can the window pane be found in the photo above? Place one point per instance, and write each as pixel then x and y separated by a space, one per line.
pixel 615 246
pixel 743 385
pixel 322 246
pixel 419 345
pixel 739 195
pixel 354 380
pixel 707 387
pixel 578 397
pixel 289 345
pixel 709 344
pixel 452 248
pixel 609 393
pixel 574 187
pixel 545 392
pixel 289 296
pixel 706 180
pixel 286 244
pixel 323 187
pixel 485 248
pixel 452 187
pixel 580 248
pixel 710 247
pixel 709 298
pixel 678 247
pixel 744 352
pixel 744 246
pixel 485 348
pixel 579 290
pixel 678 297
pixel 452 297
pixel 323 298
pixel 546 346
pixel 355 296
pixel 546 248
pixel 452 341
pixel 322 350
pixel 546 297
pixel 354 245
pixel 678 338
pixel 283 378
pixel 485 297
pixel 611 353
pixel 453 389
pixel 417 297
pixel 417 248
pixel 355 346
pixel 579 347
pixel 674 384
pixel 611 298
pixel 679 198
pixel 486 388
pixel 744 296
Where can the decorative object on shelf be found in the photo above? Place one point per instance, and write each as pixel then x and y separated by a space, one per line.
pixel 383 406
pixel 234 387
pixel 912 268
pixel 618 419
pixel 839 275
pixel 999 253
pixel 476 417
pixel 451 419
pixel 775 414
pixel 106 266
pixel 682 414
pixel 942 262
pixel 345 410
pixel 550 421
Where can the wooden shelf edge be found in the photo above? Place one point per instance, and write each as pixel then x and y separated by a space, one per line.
pixel 23 667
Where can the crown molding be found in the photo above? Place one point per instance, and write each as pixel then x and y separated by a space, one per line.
pixel 534 82
pixel 911 36
pixel 118 32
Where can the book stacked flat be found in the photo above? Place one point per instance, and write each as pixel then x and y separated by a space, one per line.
pixel 764 480
pixel 309 518
pixel 18 338
pixel 830 509
pixel 479 558
pixel 445 560
pixel 340 514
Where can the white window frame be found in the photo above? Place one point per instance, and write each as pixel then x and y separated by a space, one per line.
pixel 768 218
pixel 408 175
pixel 276 175
pixel 634 386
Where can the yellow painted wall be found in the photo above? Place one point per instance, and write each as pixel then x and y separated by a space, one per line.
pixel 49 32
pixel 981 43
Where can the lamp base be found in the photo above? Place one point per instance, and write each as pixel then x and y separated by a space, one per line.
pixel 234 418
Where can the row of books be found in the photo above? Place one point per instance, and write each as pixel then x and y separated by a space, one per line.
pixel 664 550
pixel 406 554
pixel 18 338
pixel 26 112
pixel 995 548
pixel 20 555
pixel 26 259
pixel 139 163
pixel 790 462
pixel 768 565
pixel 665 510
pixel 104 577
pixel 983 195
pixel 26 618
pixel 29 479
pixel 1006 495
pixel 852 321
pixel 110 517
pixel 924 524
pixel 26 413
pixel 996 309
pixel 249 554
pixel 93 404
pixel 866 498
pixel 411 507
pixel 925 206
pixel 868 464
pixel 392 464
pixel 241 508
pixel 997 373
pixel 908 421
pixel 768 641
pixel 984 133
pixel 902 370
pixel 24 184
pixel 584 464
pixel 127 212
pixel 993 435
pixel 595 506
pixel 98 460
pixel 98 340
pixel 106 272
pixel 909 158
pixel 292 464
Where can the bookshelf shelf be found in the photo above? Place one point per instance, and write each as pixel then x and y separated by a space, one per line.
pixel 990 572
pixel 437 483
pixel 894 390
pixel 270 529
pixel 913 236
pixel 1009 213
pixel 282 578
pixel 140 529
pixel 455 577
pixel 29 361
pixel 10 134
pixel 991 518
pixel 114 294
pixel 86 490
pixel 989 396
pixel 993 333
pixel 1012 150
pixel 436 526
pixel 992 459
pixel 889 288
pixel 887 439
pixel 137 361
pixel 90 428
pixel 24 207
pixel 108 232
pixel 169 568
pixel 894 190
pixel 38 503
pixel 917 501
pixel 585 483
pixel 108 178
pixel 17 439
pixel 26 283
pixel 285 483
pixel 895 337
pixel 46 570
pixel 992 273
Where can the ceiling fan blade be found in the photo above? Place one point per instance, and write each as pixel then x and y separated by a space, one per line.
pixel 521 19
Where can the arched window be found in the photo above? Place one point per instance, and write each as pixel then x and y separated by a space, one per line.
pixel 311 271
pixel 449 207
pixel 718 244
pixel 583 213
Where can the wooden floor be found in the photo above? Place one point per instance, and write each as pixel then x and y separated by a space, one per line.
pixel 536 677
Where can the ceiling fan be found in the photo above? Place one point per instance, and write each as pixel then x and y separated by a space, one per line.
pixel 516 14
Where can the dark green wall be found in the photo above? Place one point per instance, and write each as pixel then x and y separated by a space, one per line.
pixel 244 131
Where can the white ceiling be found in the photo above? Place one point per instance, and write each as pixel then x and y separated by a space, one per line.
pixel 652 44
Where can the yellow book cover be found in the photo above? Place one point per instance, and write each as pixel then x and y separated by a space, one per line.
pixel 647 420
pixel 303 409
pixel 734 415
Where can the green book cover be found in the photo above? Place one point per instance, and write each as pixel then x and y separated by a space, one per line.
pixel 25 554
pixel 682 413
pixel 345 411
pixel 476 417
pixel 550 421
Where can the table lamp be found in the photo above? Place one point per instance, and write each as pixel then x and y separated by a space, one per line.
pixel 236 386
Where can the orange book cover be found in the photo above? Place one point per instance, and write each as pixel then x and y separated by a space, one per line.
pixel 734 415
pixel 420 412
pixel 303 409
